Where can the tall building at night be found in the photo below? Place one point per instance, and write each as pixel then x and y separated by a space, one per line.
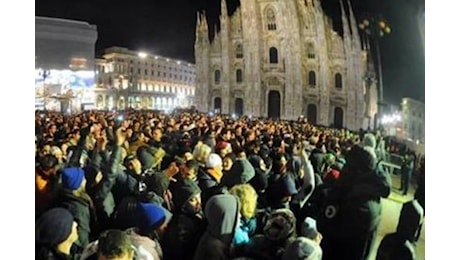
pixel 64 64
pixel 282 59
pixel 413 118
pixel 130 79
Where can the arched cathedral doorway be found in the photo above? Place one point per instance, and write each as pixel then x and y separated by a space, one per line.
pixel 217 105
pixel 239 106
pixel 311 114
pixel 338 117
pixel 274 102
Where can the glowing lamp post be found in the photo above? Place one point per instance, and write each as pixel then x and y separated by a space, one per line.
pixel 376 27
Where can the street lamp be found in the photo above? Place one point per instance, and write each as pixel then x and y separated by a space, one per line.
pixel 375 27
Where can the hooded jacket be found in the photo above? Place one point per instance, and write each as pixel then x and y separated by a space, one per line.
pixel 240 173
pixel 260 180
pixel 317 160
pixel 222 215
pixel 205 180
pixel 186 228
pixel 82 211
pixel 361 186
pixel 359 189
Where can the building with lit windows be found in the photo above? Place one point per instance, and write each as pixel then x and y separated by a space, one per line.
pixel 138 80
pixel 283 59
pixel 64 64
pixel 413 118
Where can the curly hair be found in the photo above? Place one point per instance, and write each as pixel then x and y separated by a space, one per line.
pixel 248 198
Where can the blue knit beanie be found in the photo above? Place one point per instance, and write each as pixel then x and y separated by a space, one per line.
pixel 72 178
pixel 151 217
pixel 53 227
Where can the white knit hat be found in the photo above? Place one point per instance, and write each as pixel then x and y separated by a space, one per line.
pixel 213 161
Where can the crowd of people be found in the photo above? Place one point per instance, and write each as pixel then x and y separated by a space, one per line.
pixel 188 185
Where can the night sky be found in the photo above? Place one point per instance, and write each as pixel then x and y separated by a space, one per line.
pixel 167 27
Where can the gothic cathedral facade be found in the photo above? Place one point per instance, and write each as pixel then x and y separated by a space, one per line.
pixel 282 59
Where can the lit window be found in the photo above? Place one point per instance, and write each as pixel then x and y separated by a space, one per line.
pixel 78 63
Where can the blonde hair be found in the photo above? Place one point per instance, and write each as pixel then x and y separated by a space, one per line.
pixel 248 199
pixel 201 152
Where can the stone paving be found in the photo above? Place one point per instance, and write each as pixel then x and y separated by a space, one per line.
pixel 390 216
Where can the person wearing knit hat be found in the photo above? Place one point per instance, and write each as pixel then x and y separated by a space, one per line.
pixel 185 191
pixel 303 248
pixel 280 225
pixel 152 219
pixel 73 196
pixel 213 161
pixel 213 174
pixel 149 157
pixel 223 148
pixel 278 232
pixel 187 224
pixel 55 233
pixel 149 224
pixel 308 229
pixel 73 178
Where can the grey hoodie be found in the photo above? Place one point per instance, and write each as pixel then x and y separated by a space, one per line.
pixel 241 172
pixel 221 212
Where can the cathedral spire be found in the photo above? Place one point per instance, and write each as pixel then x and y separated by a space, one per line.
pixel 224 21
pixel 204 22
pixel 354 26
pixel 197 26
pixel 223 8
pixel 317 5
pixel 346 27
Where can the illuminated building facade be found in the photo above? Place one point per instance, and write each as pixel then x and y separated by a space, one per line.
pixel 283 59
pixel 64 64
pixel 129 79
pixel 413 118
